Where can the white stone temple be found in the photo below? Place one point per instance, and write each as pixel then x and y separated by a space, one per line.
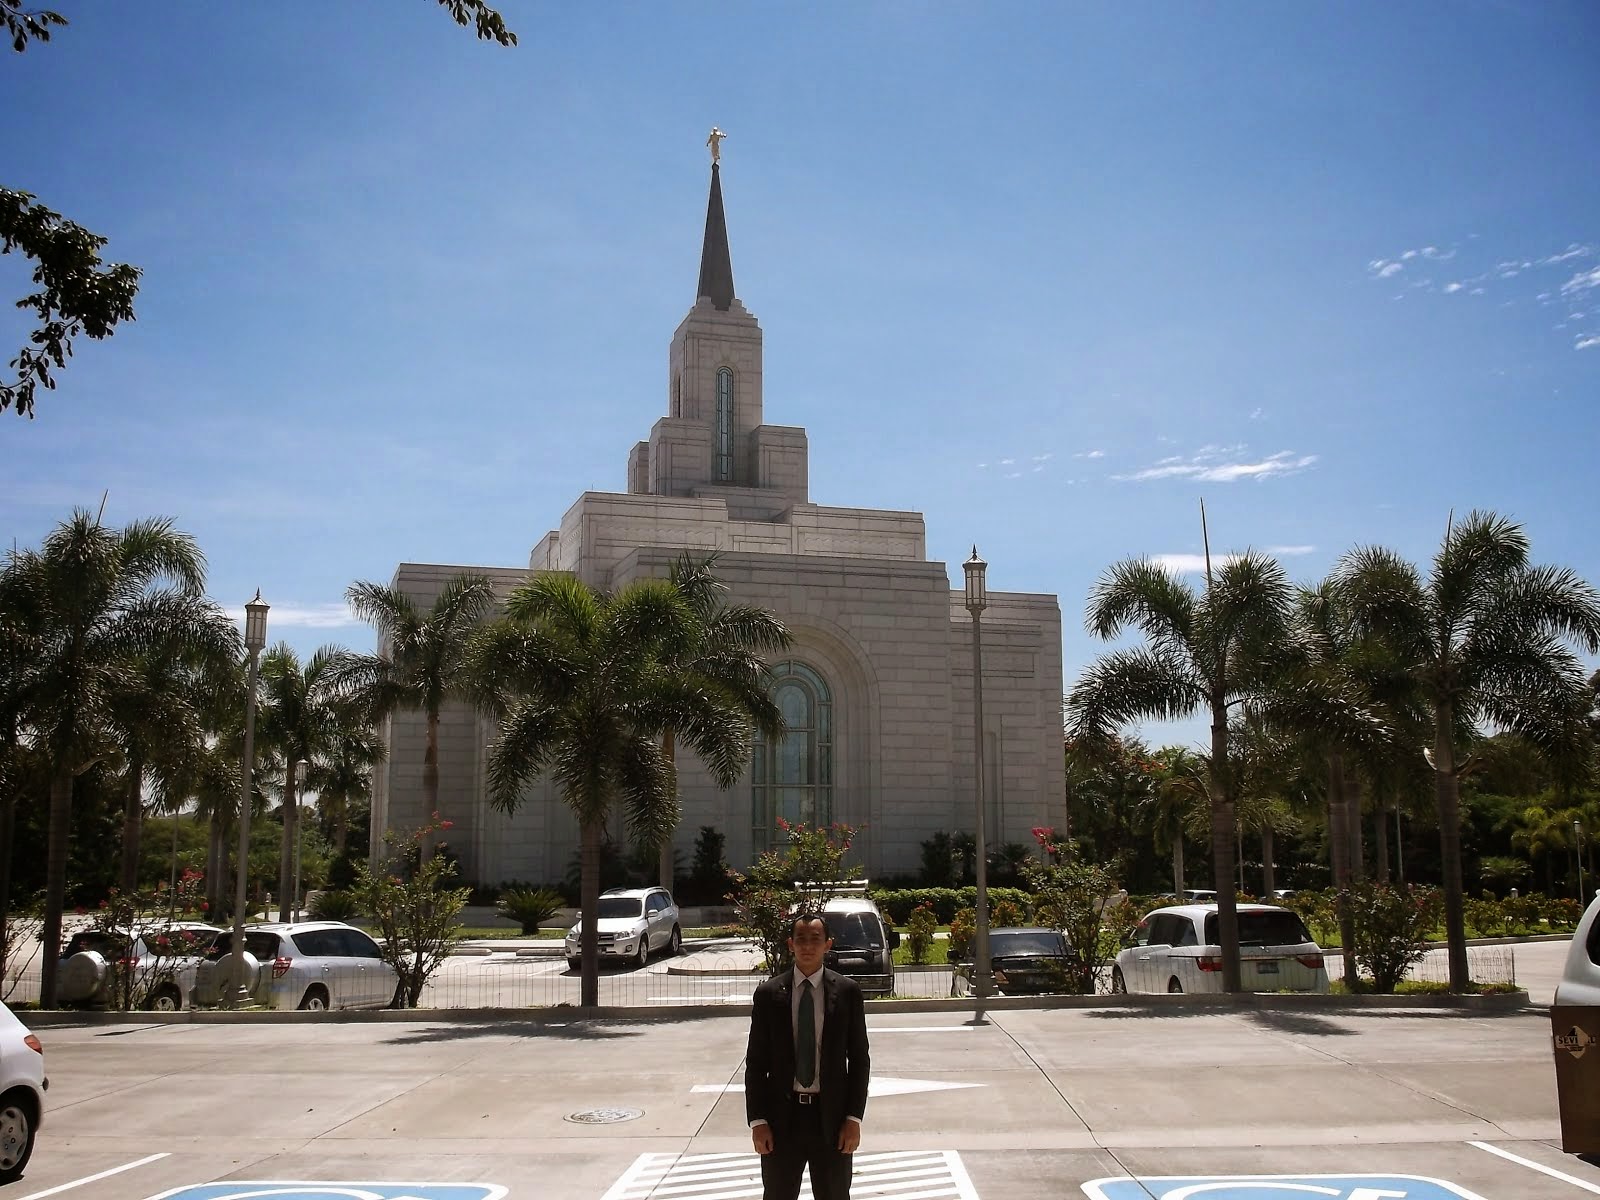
pixel 877 691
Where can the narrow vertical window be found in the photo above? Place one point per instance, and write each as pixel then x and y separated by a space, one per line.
pixel 724 434
pixel 793 775
pixel 677 397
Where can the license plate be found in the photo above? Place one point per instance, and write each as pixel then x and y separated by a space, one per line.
pixel 1267 968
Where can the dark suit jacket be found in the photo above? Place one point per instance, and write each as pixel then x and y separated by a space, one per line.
pixel 769 1058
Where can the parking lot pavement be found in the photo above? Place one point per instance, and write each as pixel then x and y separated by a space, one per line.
pixel 1042 1103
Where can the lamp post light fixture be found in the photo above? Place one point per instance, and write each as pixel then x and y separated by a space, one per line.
pixel 255 640
pixel 1577 833
pixel 302 767
pixel 977 601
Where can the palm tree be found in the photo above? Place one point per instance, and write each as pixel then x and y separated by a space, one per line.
pixel 723 656
pixel 422 660
pixel 90 599
pixel 1204 653
pixel 1180 792
pixel 577 680
pixel 344 774
pixel 155 717
pixel 302 707
pixel 1485 640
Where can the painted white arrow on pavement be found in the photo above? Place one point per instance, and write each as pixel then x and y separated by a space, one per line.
pixel 879 1085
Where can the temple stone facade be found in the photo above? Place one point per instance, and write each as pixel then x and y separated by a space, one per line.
pixel 877 690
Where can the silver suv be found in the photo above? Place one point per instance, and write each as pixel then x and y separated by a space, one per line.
pixel 634 923
pixel 311 965
pixel 157 962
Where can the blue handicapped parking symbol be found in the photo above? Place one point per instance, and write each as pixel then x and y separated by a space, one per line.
pixel 284 1189
pixel 1277 1187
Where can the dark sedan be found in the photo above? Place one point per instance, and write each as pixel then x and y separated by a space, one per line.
pixel 1028 961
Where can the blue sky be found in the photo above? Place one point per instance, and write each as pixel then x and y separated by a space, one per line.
pixel 1049 274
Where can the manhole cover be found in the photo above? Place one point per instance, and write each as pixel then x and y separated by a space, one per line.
pixel 604 1116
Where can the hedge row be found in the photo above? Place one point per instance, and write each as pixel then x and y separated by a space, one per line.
pixel 897 904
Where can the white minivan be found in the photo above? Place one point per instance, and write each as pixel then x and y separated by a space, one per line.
pixel 1176 950
pixel 1580 979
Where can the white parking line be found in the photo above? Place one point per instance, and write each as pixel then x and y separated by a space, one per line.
pixel 919 1028
pixel 62 1187
pixel 903 1175
pixel 1550 1171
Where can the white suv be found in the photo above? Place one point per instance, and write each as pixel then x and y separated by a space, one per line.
pixel 157 961
pixel 22 1088
pixel 309 965
pixel 634 922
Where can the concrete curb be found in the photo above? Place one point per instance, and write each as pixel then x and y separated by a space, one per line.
pixel 565 1013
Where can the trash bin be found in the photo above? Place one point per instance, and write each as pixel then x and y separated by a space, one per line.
pixel 1575 1035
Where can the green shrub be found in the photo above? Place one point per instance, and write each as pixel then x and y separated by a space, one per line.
pixel 1007 914
pixel 1392 926
pixel 335 905
pixel 919 933
pixel 529 907
pixel 899 903
pixel 1562 912
pixel 963 928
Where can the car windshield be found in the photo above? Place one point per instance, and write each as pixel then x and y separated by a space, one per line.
pixel 1279 928
pixel 1005 945
pixel 620 906
pixel 854 931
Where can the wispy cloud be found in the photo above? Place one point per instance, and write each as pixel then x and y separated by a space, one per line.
pixel 1290 551
pixel 1190 564
pixel 1581 282
pixel 1587 341
pixel 1257 414
pixel 1222 464
pixel 303 616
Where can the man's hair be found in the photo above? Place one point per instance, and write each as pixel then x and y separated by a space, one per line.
pixel 805 917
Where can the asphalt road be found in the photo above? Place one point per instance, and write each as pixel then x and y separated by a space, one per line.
pixel 1041 1103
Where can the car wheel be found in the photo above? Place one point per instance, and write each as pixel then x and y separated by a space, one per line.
pixel 574 965
pixel 1174 987
pixel 675 945
pixel 165 999
pixel 1119 985
pixel 644 950
pixel 16 1135
pixel 315 999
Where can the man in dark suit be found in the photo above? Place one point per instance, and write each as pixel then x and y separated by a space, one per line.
pixel 805 1109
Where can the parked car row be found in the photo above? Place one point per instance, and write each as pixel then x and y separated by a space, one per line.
pixel 1173 949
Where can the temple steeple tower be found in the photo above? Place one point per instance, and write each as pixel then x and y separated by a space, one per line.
pixel 712 442
pixel 716 263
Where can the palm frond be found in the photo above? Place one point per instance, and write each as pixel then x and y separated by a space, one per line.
pixel 1129 685
pixel 1142 593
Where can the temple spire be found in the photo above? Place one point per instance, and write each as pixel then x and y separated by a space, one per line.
pixel 716 264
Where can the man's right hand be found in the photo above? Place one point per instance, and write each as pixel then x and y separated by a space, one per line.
pixel 761 1135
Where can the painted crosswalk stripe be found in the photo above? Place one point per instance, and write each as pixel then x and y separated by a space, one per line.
pixel 890 1174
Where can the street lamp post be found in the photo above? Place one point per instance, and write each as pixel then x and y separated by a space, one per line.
pixel 303 766
pixel 255 640
pixel 977 601
pixel 1577 832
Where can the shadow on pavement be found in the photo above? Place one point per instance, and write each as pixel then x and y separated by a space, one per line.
pixel 578 1029
pixel 1301 1024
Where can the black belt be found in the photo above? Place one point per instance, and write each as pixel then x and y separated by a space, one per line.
pixel 807 1097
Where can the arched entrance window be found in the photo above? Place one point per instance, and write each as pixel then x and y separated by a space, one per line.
pixel 793 775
